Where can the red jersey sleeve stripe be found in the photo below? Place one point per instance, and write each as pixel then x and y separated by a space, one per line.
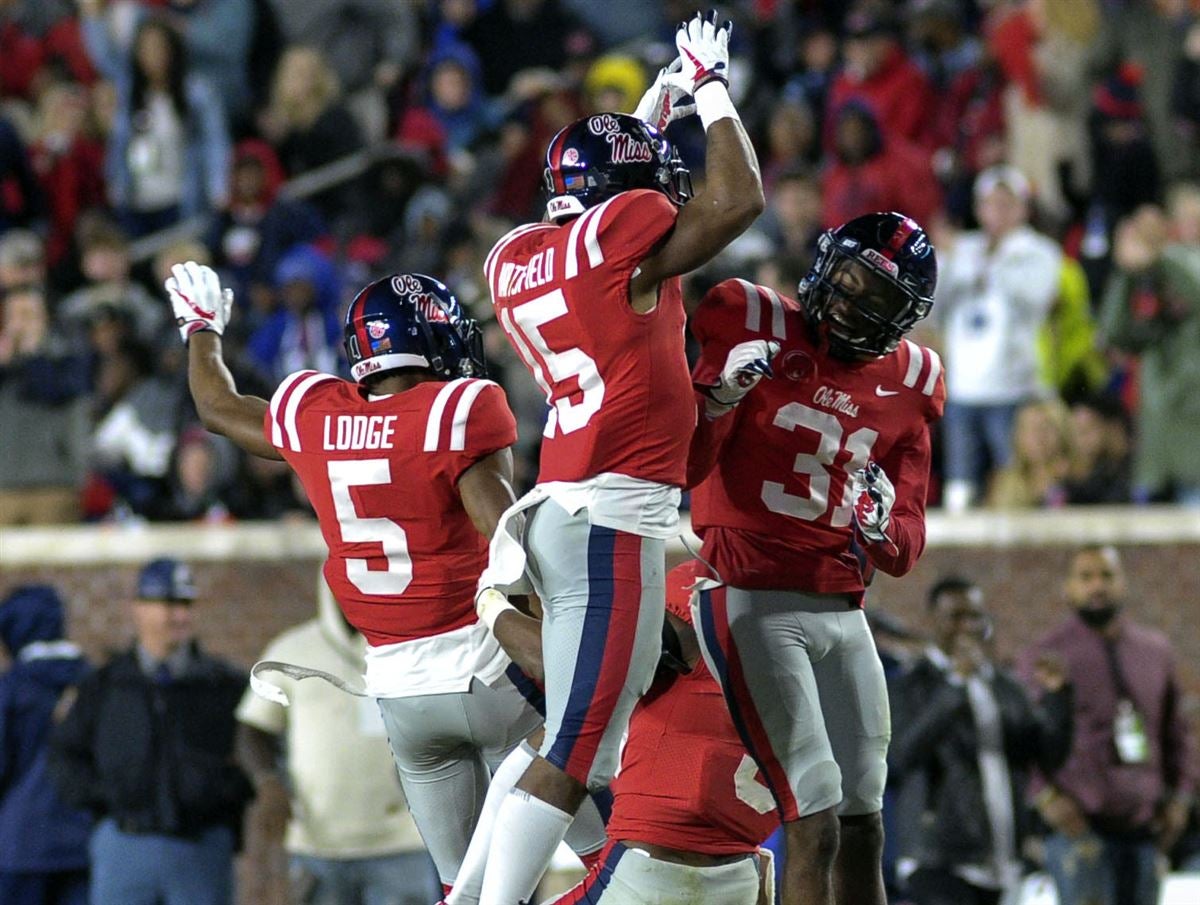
pixel 462 411
pixel 935 370
pixel 293 406
pixel 433 427
pixel 278 398
pixel 915 362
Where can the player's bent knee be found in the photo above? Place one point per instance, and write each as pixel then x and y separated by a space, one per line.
pixel 817 788
pixel 863 788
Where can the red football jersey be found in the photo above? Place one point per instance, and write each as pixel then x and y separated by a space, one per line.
pixel 382 475
pixel 617 381
pixel 775 510
pixel 711 801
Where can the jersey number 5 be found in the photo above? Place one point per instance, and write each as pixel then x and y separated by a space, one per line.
pixel 395 577
pixel 817 466
pixel 551 367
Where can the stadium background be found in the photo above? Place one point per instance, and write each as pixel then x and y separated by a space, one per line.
pixel 412 138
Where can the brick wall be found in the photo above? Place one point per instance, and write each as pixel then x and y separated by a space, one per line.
pixel 245 603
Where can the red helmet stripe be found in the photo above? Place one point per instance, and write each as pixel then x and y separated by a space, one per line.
pixel 907 227
pixel 360 327
pixel 554 159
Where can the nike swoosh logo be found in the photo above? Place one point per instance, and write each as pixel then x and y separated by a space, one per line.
pixel 880 391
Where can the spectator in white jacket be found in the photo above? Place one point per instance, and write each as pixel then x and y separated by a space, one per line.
pixel 996 287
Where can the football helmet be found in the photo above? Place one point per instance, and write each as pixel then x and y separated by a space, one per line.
pixel 605 154
pixel 872 280
pixel 409 320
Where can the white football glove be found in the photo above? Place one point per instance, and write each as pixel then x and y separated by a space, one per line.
pixel 874 497
pixel 198 299
pixel 704 49
pixel 746 364
pixel 668 99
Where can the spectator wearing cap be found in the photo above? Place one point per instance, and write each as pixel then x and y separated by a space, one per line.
pixel 43 842
pixel 878 73
pixel 148 748
pixel 995 289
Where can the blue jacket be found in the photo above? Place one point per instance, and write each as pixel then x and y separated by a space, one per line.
pixel 38 832
pixel 207 153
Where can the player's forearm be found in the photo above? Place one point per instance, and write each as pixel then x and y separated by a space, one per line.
pixel 222 409
pixel 521 638
pixel 257 752
pixel 707 441
pixel 734 186
pixel 897 556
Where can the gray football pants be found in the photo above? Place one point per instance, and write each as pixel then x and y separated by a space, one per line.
pixel 446 747
pixel 806 691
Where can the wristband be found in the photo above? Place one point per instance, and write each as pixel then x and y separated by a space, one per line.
pixel 713 103
pixel 489 604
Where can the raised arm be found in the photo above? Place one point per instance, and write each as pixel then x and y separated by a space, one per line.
pixel 732 197
pixel 201 311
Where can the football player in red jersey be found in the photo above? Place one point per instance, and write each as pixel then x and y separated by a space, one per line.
pixel 591 301
pixel 805 486
pixel 688 813
pixel 408 469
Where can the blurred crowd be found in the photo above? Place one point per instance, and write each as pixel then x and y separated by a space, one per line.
pixel 303 147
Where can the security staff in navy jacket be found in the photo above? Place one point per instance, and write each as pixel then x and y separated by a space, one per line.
pixel 148 748
pixel 43 841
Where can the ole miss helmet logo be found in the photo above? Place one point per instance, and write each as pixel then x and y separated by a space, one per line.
pixel 377 329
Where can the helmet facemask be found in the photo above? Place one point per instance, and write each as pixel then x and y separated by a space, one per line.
pixel 858 308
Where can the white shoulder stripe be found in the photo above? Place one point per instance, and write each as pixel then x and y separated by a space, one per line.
pixel 935 370
pixel 753 305
pixel 458 429
pixel 777 327
pixel 433 428
pixel 591 239
pixel 572 266
pixel 916 361
pixel 277 398
pixel 293 405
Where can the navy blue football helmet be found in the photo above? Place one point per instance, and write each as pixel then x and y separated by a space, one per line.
pixel 865 315
pixel 605 154
pixel 409 320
